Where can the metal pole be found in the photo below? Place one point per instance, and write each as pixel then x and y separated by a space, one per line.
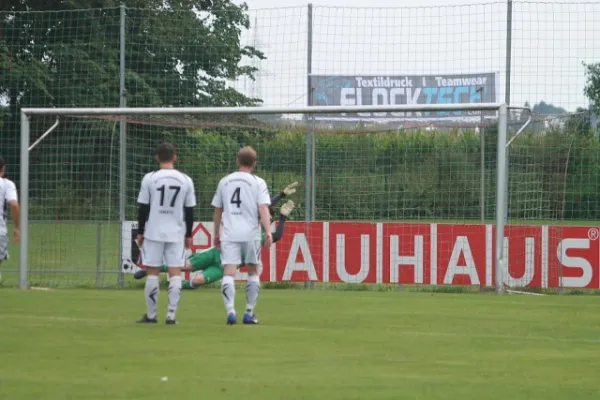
pixel 95 111
pixel 24 249
pixel 482 162
pixel 99 254
pixel 309 134
pixel 508 50
pixel 509 14
pixel 506 180
pixel 122 143
pixel 501 197
pixel 313 169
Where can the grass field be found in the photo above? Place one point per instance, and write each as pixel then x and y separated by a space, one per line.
pixel 67 254
pixel 83 344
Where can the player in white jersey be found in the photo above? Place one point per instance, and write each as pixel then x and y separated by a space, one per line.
pixel 240 200
pixel 165 219
pixel 8 197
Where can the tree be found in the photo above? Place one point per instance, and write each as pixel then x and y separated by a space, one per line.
pixel 592 85
pixel 177 53
pixel 65 53
pixel 547 108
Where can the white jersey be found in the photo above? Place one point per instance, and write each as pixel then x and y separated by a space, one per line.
pixel 167 191
pixel 8 193
pixel 239 195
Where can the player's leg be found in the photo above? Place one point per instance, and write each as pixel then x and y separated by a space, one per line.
pixel 199 262
pixel 196 280
pixel 175 258
pixel 151 255
pixel 231 257
pixel 252 256
pixel 205 259
pixel 206 276
pixel 195 262
pixel 3 252
pixel 140 274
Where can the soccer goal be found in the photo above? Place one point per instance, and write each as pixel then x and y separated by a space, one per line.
pixel 552 236
pixel 403 195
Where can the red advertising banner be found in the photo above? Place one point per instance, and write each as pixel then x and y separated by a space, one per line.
pixel 427 254
pixel 434 254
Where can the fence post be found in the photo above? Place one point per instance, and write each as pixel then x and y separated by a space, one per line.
pixel 508 72
pixel 309 134
pixel 122 142
pixel 24 249
pixel 502 173
pixel 481 160
pixel 99 254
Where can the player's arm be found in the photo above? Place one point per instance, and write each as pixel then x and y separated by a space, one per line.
pixel 189 221
pixel 287 191
pixel 279 230
pixel 264 201
pixel 284 213
pixel 217 203
pixel 143 210
pixel 188 213
pixel 15 210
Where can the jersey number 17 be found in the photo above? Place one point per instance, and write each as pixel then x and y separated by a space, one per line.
pixel 174 189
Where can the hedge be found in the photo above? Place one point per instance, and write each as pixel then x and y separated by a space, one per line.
pixel 388 176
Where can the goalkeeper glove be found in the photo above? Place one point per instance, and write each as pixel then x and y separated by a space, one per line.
pixel 287 208
pixel 290 189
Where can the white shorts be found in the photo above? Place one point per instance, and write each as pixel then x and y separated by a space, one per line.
pixel 155 254
pixel 3 247
pixel 236 253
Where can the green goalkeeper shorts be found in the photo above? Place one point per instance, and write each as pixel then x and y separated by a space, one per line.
pixel 212 274
pixel 206 259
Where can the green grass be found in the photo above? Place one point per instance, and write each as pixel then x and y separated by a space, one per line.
pixel 83 344
pixel 68 254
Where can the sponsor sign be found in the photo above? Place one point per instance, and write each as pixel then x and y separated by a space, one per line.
pixel 337 90
pixel 428 254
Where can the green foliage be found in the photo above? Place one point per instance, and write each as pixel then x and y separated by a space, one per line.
pixel 592 84
pixel 547 108
pixel 413 175
pixel 66 53
pixel 68 56
pixel 580 122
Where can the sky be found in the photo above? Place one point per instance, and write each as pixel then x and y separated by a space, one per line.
pixel 550 41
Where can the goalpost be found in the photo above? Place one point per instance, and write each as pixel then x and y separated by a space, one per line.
pixel 397 178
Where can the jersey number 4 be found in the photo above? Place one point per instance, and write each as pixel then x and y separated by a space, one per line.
pixel 174 189
pixel 235 198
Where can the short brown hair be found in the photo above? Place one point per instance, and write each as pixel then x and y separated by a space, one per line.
pixel 165 152
pixel 247 156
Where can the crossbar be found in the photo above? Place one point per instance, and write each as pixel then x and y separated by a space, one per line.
pixel 264 110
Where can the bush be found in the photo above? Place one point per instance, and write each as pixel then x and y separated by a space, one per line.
pixel 369 176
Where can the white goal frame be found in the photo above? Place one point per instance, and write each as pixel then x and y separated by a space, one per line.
pixel 26 113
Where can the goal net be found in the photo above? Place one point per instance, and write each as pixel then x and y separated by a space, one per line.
pixel 553 211
pixel 388 201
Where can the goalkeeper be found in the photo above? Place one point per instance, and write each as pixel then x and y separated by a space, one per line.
pixel 206 265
